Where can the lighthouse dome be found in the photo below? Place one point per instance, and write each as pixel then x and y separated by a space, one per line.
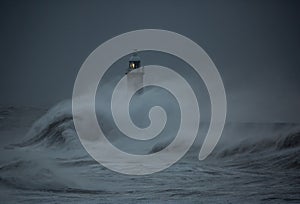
pixel 134 57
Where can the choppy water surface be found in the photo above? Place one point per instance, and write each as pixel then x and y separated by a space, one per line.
pixel 51 166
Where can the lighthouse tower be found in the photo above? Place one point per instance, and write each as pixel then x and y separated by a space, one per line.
pixel 135 72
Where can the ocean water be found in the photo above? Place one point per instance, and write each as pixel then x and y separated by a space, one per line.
pixel 42 161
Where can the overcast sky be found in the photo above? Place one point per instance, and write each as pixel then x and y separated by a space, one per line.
pixel 254 44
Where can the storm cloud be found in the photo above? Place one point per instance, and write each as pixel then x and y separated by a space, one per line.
pixel 254 44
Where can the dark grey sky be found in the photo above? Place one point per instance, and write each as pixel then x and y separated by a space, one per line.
pixel 255 45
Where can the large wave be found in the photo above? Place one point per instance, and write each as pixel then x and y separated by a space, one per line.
pixel 50 158
pixel 55 129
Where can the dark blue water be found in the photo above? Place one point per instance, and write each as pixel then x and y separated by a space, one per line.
pixel 49 165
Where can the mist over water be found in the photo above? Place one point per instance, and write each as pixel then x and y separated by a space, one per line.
pixel 42 157
pixel 252 162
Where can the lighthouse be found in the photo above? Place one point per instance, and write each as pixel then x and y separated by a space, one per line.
pixel 135 72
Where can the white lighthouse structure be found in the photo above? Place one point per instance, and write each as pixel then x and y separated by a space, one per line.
pixel 135 73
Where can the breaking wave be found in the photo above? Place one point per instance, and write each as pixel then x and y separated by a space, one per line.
pixel 51 158
pixel 55 129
